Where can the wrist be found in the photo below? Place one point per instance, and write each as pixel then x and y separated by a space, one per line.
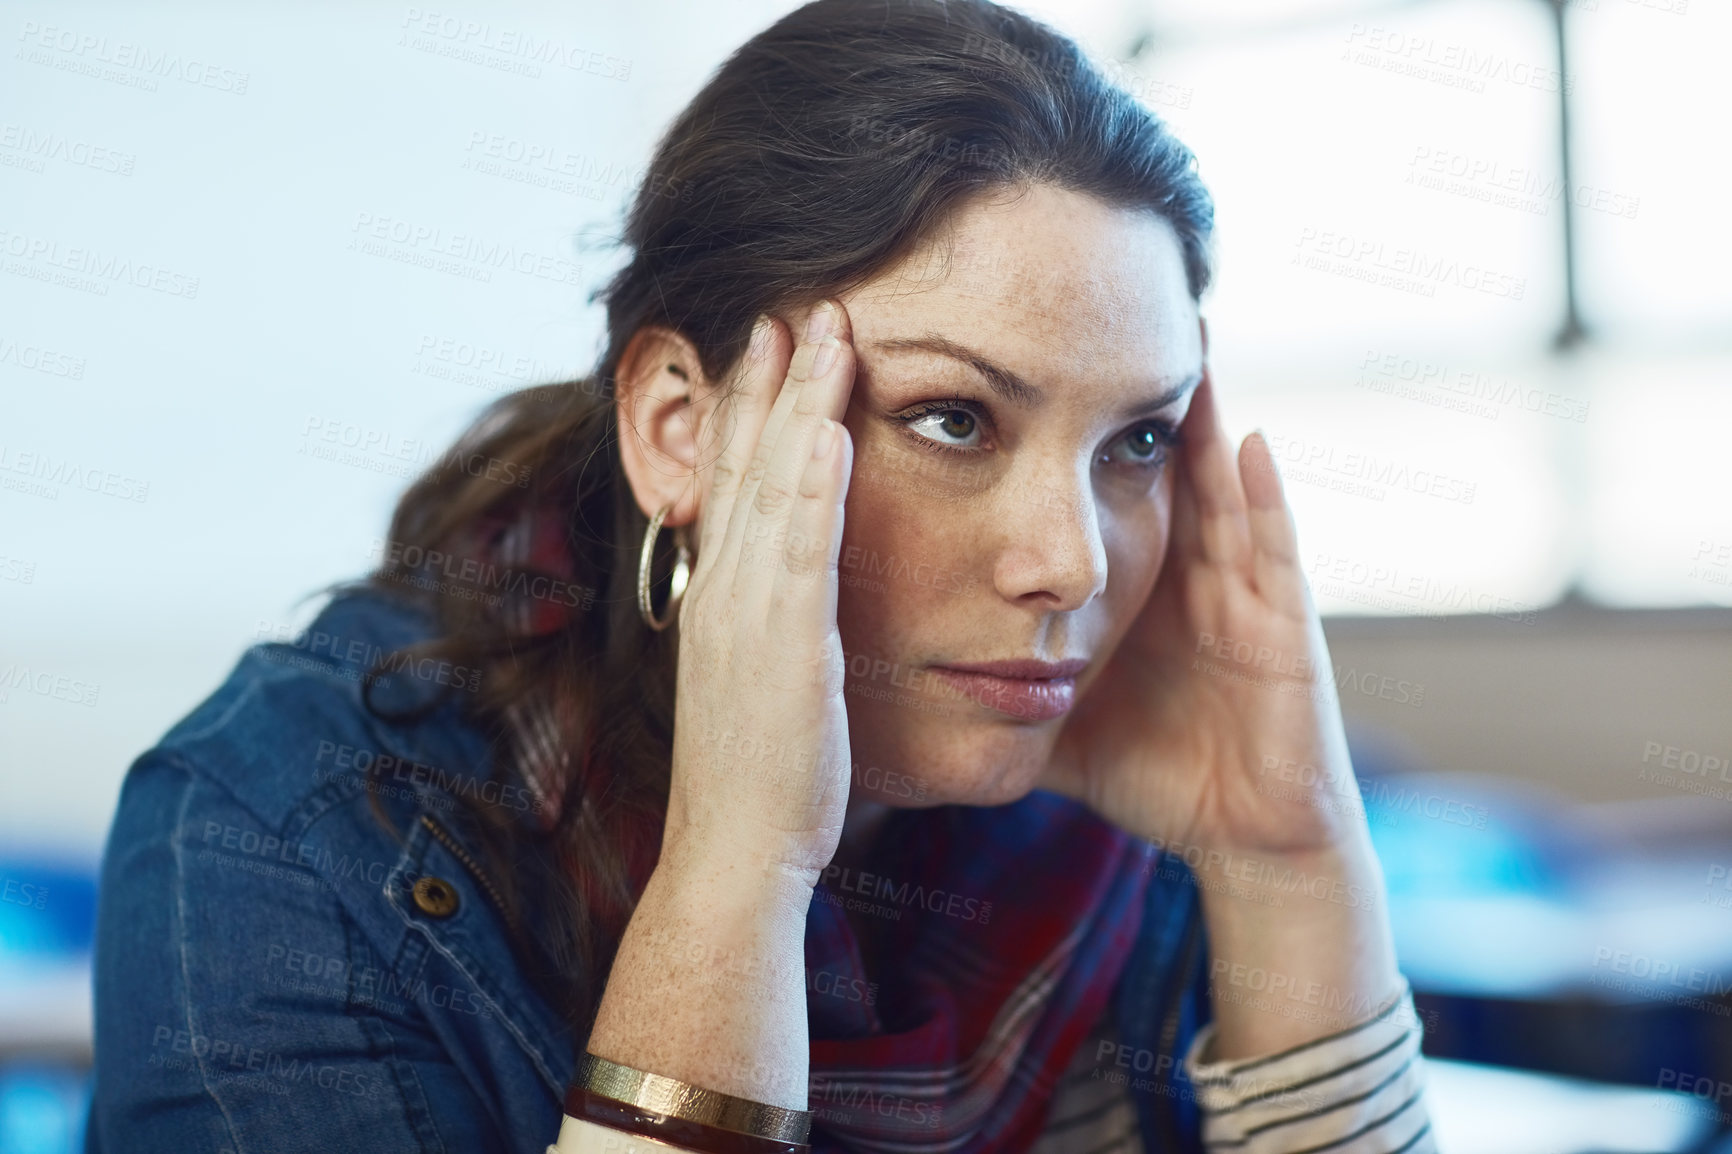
pixel 1300 947
pixel 699 865
pixel 1255 885
pixel 697 846
pixel 708 984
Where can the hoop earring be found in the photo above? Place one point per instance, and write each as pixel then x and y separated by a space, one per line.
pixel 682 572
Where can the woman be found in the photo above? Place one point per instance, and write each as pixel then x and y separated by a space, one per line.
pixel 925 797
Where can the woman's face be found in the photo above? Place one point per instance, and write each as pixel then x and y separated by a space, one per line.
pixel 1019 381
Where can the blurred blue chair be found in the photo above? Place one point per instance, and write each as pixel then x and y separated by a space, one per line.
pixel 47 913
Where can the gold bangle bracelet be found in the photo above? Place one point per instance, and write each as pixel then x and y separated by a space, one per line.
pixel 679 1099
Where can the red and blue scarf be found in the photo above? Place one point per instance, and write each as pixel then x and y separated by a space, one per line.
pixel 1008 929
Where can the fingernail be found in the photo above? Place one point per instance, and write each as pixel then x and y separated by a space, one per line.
pixel 822 322
pixel 826 440
pixel 826 356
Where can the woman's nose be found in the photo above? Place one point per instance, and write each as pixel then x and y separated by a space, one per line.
pixel 1051 549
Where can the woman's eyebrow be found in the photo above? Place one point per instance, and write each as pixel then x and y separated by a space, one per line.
pixel 1166 397
pixel 1002 381
pixel 1012 387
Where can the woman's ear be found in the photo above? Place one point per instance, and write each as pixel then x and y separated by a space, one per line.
pixel 662 400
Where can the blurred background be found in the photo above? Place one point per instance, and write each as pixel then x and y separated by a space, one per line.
pixel 1472 282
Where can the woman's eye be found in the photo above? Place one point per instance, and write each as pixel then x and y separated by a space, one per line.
pixel 1144 445
pixel 940 425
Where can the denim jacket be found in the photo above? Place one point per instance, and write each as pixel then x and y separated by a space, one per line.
pixel 276 970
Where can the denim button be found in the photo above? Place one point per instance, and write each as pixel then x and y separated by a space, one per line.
pixel 435 897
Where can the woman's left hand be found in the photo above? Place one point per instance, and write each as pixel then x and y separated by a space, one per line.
pixel 1215 732
pixel 1215 725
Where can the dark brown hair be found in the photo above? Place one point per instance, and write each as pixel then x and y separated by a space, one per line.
pixel 821 152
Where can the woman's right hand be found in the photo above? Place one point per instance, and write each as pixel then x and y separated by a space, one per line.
pixel 708 985
pixel 761 764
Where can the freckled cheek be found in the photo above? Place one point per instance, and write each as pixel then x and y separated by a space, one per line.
pixel 1161 531
pixel 905 560
pixel 884 457
pixel 1137 553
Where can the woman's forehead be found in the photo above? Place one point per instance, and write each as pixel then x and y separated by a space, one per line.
pixel 1058 273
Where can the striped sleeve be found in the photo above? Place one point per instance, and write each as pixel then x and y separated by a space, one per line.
pixel 1359 1091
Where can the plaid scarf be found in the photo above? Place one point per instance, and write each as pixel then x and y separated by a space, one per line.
pixel 1008 926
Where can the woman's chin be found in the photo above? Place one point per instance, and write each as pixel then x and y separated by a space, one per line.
pixel 950 763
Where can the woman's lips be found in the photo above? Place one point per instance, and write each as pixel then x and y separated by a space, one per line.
pixel 1010 688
